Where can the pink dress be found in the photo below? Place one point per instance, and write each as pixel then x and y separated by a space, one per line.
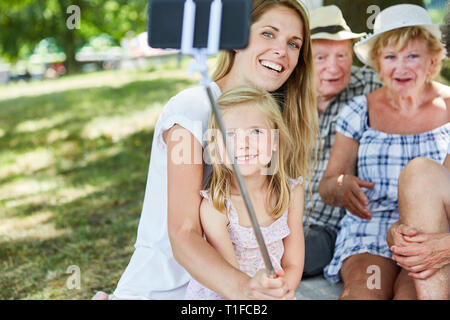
pixel 246 247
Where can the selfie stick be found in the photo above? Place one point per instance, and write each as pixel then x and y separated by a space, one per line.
pixel 199 65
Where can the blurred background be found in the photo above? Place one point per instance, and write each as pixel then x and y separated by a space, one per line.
pixel 78 103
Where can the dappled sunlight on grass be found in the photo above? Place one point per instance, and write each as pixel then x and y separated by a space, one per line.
pixel 93 80
pixel 39 124
pixel 74 157
pixel 57 135
pixel 67 195
pixel 27 163
pixel 25 187
pixel 34 227
pixel 119 127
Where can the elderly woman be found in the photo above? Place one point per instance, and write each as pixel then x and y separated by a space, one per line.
pixel 420 240
pixel 378 135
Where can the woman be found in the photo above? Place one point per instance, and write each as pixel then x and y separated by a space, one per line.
pixel 278 58
pixel 420 240
pixel 378 135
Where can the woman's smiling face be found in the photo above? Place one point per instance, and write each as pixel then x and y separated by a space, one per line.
pixel 274 46
pixel 407 69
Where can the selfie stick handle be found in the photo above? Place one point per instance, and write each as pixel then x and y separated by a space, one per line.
pixel 199 65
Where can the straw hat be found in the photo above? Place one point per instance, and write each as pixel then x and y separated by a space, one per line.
pixel 395 17
pixel 328 23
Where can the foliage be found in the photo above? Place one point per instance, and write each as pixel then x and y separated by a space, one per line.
pixel 356 14
pixel 26 22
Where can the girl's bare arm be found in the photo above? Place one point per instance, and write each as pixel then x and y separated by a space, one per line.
pixel 189 248
pixel 214 225
pixel 185 232
pixel 294 244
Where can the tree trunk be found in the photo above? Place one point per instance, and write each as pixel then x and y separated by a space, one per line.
pixel 69 38
pixel 72 66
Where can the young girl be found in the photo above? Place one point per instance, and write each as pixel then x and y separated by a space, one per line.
pixel 251 117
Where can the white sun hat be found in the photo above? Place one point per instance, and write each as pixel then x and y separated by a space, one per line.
pixel 328 23
pixel 395 17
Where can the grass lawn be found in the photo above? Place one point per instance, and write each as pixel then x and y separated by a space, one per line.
pixel 74 155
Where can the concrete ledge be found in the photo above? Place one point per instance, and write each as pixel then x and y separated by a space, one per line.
pixel 317 288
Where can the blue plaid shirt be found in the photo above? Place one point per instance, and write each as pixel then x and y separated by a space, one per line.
pixel 381 158
pixel 362 81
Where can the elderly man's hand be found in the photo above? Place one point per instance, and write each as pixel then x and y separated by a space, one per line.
pixel 352 196
pixel 422 254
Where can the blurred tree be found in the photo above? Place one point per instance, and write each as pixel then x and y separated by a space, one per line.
pixel 356 15
pixel 360 16
pixel 23 23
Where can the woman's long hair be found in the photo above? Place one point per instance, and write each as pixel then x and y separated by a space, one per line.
pixel 297 95
pixel 220 184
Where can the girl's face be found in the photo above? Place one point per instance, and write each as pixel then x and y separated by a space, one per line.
pixel 251 137
pixel 273 51
pixel 405 71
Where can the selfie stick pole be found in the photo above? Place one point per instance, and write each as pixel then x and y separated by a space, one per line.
pixel 199 65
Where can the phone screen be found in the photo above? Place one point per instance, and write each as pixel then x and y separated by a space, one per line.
pixel 165 21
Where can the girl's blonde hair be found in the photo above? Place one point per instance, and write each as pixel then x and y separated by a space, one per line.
pixel 296 96
pixel 220 184
pixel 400 39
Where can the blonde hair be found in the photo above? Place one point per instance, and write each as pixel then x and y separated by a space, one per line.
pixel 220 183
pixel 400 39
pixel 297 95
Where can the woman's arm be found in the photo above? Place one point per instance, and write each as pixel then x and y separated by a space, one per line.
pixel 294 244
pixel 185 232
pixel 339 185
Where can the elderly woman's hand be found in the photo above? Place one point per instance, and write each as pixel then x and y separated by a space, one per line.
pixel 264 287
pixel 423 254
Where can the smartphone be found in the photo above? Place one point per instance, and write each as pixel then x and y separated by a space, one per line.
pixel 165 21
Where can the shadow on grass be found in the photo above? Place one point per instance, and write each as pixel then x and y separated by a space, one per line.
pixel 96 227
pixel 101 228
pixel 27 121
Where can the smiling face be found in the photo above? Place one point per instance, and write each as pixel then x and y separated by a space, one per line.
pixel 250 136
pixel 405 70
pixel 274 46
pixel 332 63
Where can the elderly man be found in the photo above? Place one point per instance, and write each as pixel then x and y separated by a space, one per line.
pixel 337 81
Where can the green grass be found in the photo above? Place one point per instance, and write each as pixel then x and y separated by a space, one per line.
pixel 74 155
